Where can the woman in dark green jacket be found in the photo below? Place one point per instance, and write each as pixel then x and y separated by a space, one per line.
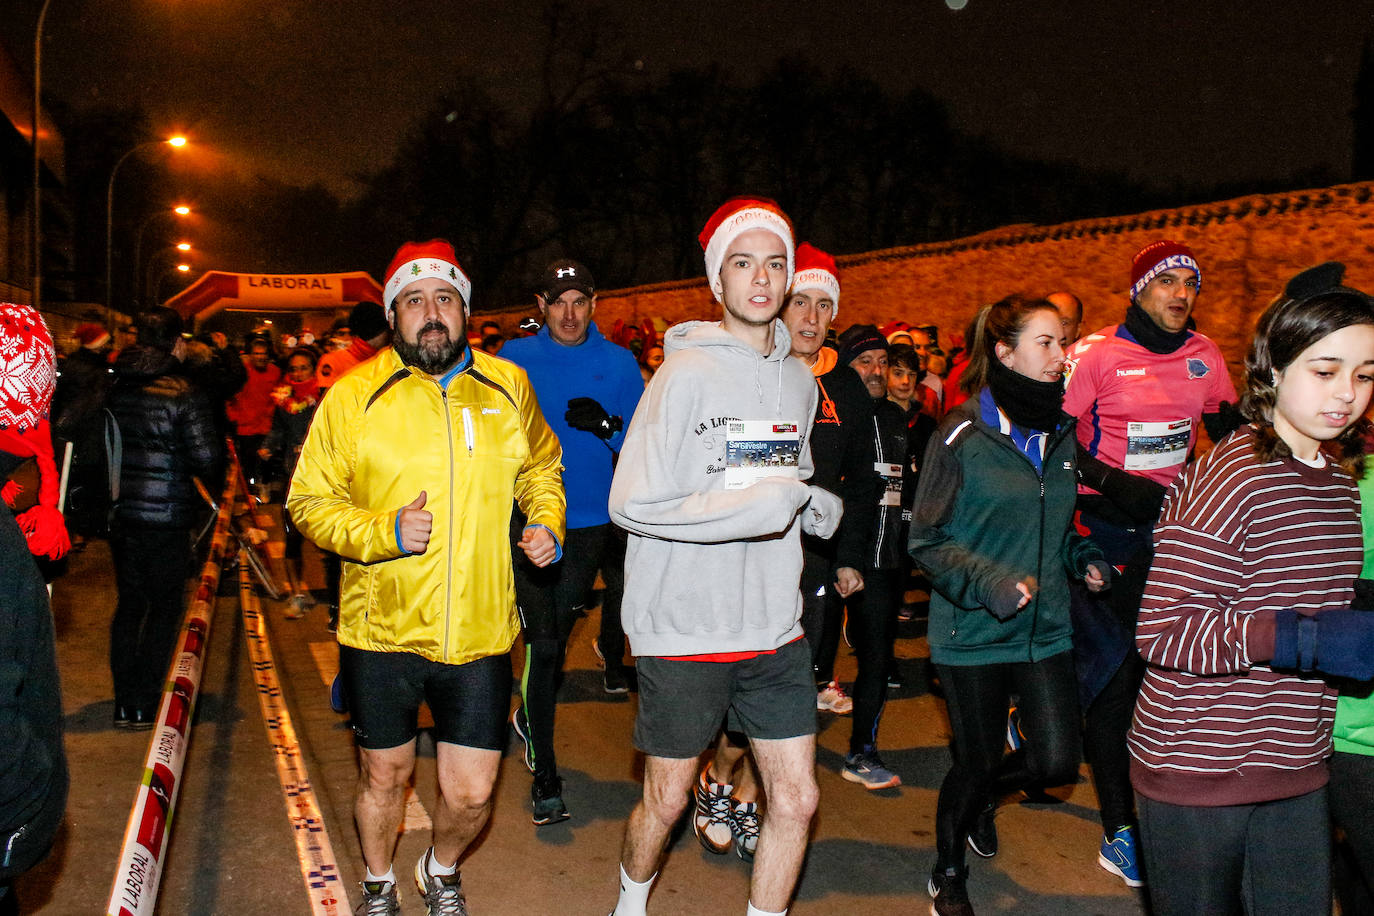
pixel 992 528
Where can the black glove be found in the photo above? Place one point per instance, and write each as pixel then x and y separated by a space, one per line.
pixel 1005 600
pixel 589 416
pixel 1225 421
pixel 1138 497
pixel 1339 643
pixel 1364 595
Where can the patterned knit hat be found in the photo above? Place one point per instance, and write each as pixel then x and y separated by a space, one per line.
pixel 816 270
pixel 421 260
pixel 1157 257
pixel 735 217
pixel 28 373
pixel 28 368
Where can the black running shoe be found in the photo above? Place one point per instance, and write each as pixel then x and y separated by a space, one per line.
pixel 546 797
pixel 949 893
pixel 613 680
pixel 982 839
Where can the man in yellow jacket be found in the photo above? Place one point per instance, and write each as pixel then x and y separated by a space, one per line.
pixel 408 473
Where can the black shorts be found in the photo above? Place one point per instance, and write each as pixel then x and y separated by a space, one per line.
pixel 470 703
pixel 683 703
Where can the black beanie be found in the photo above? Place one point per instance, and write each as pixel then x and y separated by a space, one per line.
pixel 858 339
pixel 367 320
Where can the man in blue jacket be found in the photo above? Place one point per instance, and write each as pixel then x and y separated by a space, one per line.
pixel 587 388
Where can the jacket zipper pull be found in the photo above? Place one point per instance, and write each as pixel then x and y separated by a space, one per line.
pixel 468 434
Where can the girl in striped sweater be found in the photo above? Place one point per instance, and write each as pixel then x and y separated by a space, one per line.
pixel 1246 613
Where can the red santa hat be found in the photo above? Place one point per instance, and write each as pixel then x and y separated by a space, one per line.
pixel 420 260
pixel 91 335
pixel 735 217
pixel 28 373
pixel 816 270
pixel 895 329
pixel 1157 257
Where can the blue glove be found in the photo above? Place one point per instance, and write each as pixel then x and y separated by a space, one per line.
pixel 1339 643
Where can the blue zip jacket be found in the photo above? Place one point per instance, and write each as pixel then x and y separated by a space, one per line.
pixel 597 369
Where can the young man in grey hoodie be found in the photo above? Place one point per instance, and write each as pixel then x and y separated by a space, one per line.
pixel 710 487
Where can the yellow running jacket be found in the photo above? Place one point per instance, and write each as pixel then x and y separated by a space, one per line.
pixel 385 432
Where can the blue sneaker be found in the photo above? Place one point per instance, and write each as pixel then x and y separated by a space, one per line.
pixel 1120 855
pixel 868 770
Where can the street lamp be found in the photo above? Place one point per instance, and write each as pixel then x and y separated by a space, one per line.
pixel 156 257
pixel 109 219
pixel 142 288
pixel 180 268
pixel 35 231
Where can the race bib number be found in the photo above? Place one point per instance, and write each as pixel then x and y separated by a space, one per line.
pixel 1157 445
pixel 892 477
pixel 755 449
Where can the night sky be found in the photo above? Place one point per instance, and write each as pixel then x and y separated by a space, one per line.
pixel 1198 92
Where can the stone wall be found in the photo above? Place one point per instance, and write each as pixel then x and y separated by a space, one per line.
pixel 1247 248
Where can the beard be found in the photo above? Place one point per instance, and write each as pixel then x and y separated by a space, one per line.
pixel 434 357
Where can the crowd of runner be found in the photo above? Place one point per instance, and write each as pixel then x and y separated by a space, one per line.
pixel 1129 563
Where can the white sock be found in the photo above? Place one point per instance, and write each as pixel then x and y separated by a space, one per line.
pixel 633 897
pixel 389 877
pixel 435 869
pixel 755 911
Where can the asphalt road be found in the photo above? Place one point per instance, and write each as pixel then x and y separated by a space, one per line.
pixel 232 850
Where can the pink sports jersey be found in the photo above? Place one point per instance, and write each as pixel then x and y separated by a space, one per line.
pixel 1140 410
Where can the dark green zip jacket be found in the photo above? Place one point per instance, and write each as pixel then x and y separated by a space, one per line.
pixel 983 520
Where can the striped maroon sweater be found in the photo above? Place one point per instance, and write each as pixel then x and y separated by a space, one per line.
pixel 1238 539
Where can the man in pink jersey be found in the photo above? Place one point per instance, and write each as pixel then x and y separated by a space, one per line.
pixel 1140 389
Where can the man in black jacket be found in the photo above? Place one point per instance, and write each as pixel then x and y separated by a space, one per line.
pixel 873 612
pixel 168 437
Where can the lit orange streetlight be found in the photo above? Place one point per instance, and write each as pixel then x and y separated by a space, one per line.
pixel 180 210
pixel 182 268
pixel 175 142
pixel 183 246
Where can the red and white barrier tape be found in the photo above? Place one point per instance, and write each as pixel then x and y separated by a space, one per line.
pixel 134 892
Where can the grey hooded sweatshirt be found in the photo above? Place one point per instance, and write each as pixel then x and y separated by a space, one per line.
pixel 710 569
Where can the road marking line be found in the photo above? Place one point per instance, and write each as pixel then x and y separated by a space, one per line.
pixel 319 868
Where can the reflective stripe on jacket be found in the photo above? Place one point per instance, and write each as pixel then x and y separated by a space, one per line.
pixel 384 433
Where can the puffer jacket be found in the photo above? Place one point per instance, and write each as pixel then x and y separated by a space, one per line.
pixel 168 437
pixel 984 519
pixel 386 432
